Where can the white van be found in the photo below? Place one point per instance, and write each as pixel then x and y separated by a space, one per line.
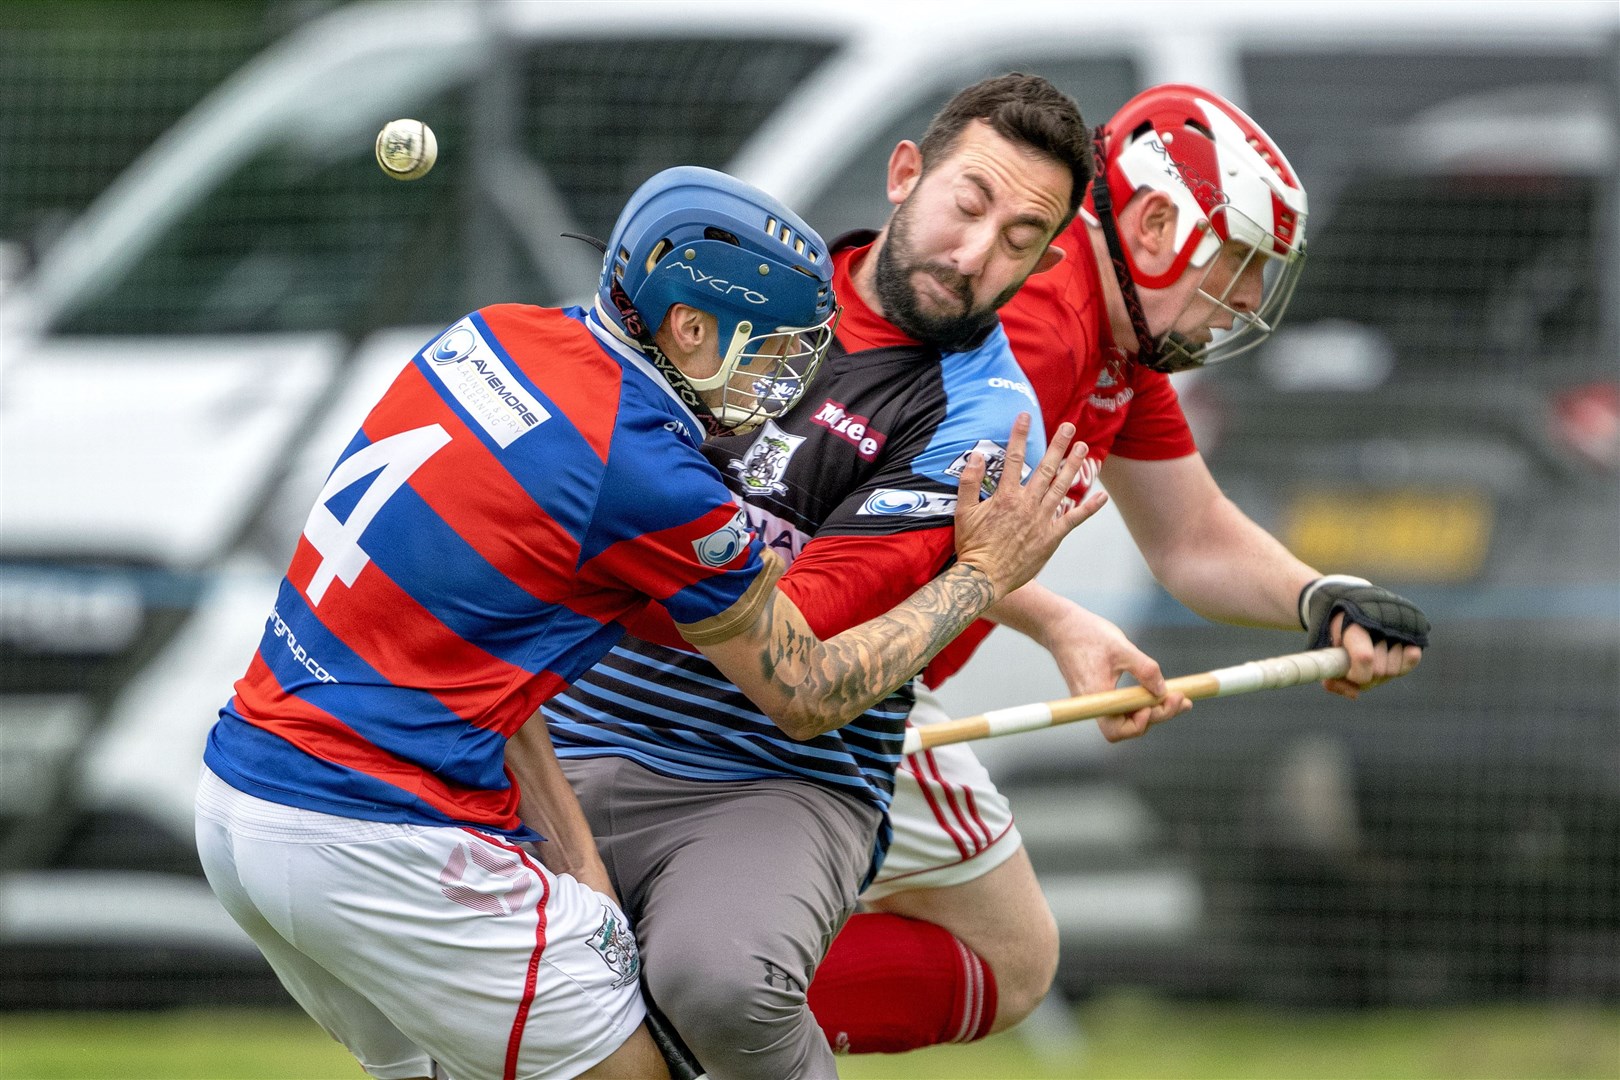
pixel 184 364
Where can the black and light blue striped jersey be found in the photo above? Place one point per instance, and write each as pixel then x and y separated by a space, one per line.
pixel 875 450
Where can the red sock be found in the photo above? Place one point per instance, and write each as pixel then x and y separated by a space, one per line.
pixel 891 984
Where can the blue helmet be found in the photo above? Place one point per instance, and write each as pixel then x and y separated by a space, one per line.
pixel 698 237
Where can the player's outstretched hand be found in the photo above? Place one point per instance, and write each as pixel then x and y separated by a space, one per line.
pixel 1011 534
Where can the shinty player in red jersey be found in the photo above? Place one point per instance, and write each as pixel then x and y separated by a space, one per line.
pixel 1186 253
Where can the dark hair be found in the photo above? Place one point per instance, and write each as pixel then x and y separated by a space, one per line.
pixel 1025 109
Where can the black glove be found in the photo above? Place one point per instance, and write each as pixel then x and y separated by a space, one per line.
pixel 1381 613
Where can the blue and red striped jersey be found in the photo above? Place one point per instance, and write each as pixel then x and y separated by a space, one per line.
pixel 525 482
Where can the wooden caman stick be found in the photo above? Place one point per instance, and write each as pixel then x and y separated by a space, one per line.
pixel 1279 671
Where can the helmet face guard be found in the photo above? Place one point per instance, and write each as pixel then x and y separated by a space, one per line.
pixel 1279 274
pixel 763 375
pixel 1233 190
pixel 701 238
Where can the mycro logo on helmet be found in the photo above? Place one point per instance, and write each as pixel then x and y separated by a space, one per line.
pixel 1205 191
pixel 719 284
pixel 458 344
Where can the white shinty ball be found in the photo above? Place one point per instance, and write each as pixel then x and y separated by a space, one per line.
pixel 406 149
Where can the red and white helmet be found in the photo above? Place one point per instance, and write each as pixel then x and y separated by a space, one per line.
pixel 1229 182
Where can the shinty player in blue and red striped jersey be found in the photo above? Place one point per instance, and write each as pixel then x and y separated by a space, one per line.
pixel 532 477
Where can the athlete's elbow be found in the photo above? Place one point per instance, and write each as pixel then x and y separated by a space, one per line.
pixel 799 728
pixel 802 724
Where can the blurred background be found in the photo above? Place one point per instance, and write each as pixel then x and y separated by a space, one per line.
pixel 205 280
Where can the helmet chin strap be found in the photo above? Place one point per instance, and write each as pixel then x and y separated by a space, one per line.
pixel 636 333
pixel 1147 348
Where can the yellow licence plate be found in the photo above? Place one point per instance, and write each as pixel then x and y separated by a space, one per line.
pixel 1407 534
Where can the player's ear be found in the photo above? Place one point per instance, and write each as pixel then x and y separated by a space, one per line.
pixel 905 169
pixel 1049 258
pixel 692 325
pixel 684 332
pixel 1155 224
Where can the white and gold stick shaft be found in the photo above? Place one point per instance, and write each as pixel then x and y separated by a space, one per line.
pixel 1279 671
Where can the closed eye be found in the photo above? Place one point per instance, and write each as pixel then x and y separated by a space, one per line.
pixel 1022 242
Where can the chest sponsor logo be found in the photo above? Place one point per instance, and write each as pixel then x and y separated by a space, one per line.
pixel 616 945
pixel 852 428
pixel 724 544
pixel 762 468
pixel 463 361
pixel 899 502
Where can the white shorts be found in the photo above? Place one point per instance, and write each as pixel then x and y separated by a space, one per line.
pixel 950 823
pixel 417 946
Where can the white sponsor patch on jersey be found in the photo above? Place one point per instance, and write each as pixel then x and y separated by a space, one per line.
pixel 762 468
pixel 725 543
pixel 900 502
pixel 852 428
pixel 466 365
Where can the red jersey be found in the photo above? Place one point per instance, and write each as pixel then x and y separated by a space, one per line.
pixel 1058 326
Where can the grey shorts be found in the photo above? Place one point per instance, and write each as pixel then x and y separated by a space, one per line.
pixel 736 890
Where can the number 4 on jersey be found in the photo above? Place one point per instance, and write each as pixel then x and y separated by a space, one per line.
pixel 393 459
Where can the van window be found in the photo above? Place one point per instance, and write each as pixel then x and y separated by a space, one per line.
pixel 854 197
pixel 309 235
pixel 1436 215
pixel 1359 99
pixel 1465 276
pixel 647 106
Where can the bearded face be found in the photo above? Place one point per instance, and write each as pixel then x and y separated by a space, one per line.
pixel 965 233
pixel 928 300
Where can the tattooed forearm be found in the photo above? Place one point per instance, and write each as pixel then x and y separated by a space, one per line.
pixel 830 682
pixel 787 654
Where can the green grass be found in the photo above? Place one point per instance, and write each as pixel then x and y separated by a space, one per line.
pixel 1132 1038
pixel 1119 1038
pixel 224 1044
